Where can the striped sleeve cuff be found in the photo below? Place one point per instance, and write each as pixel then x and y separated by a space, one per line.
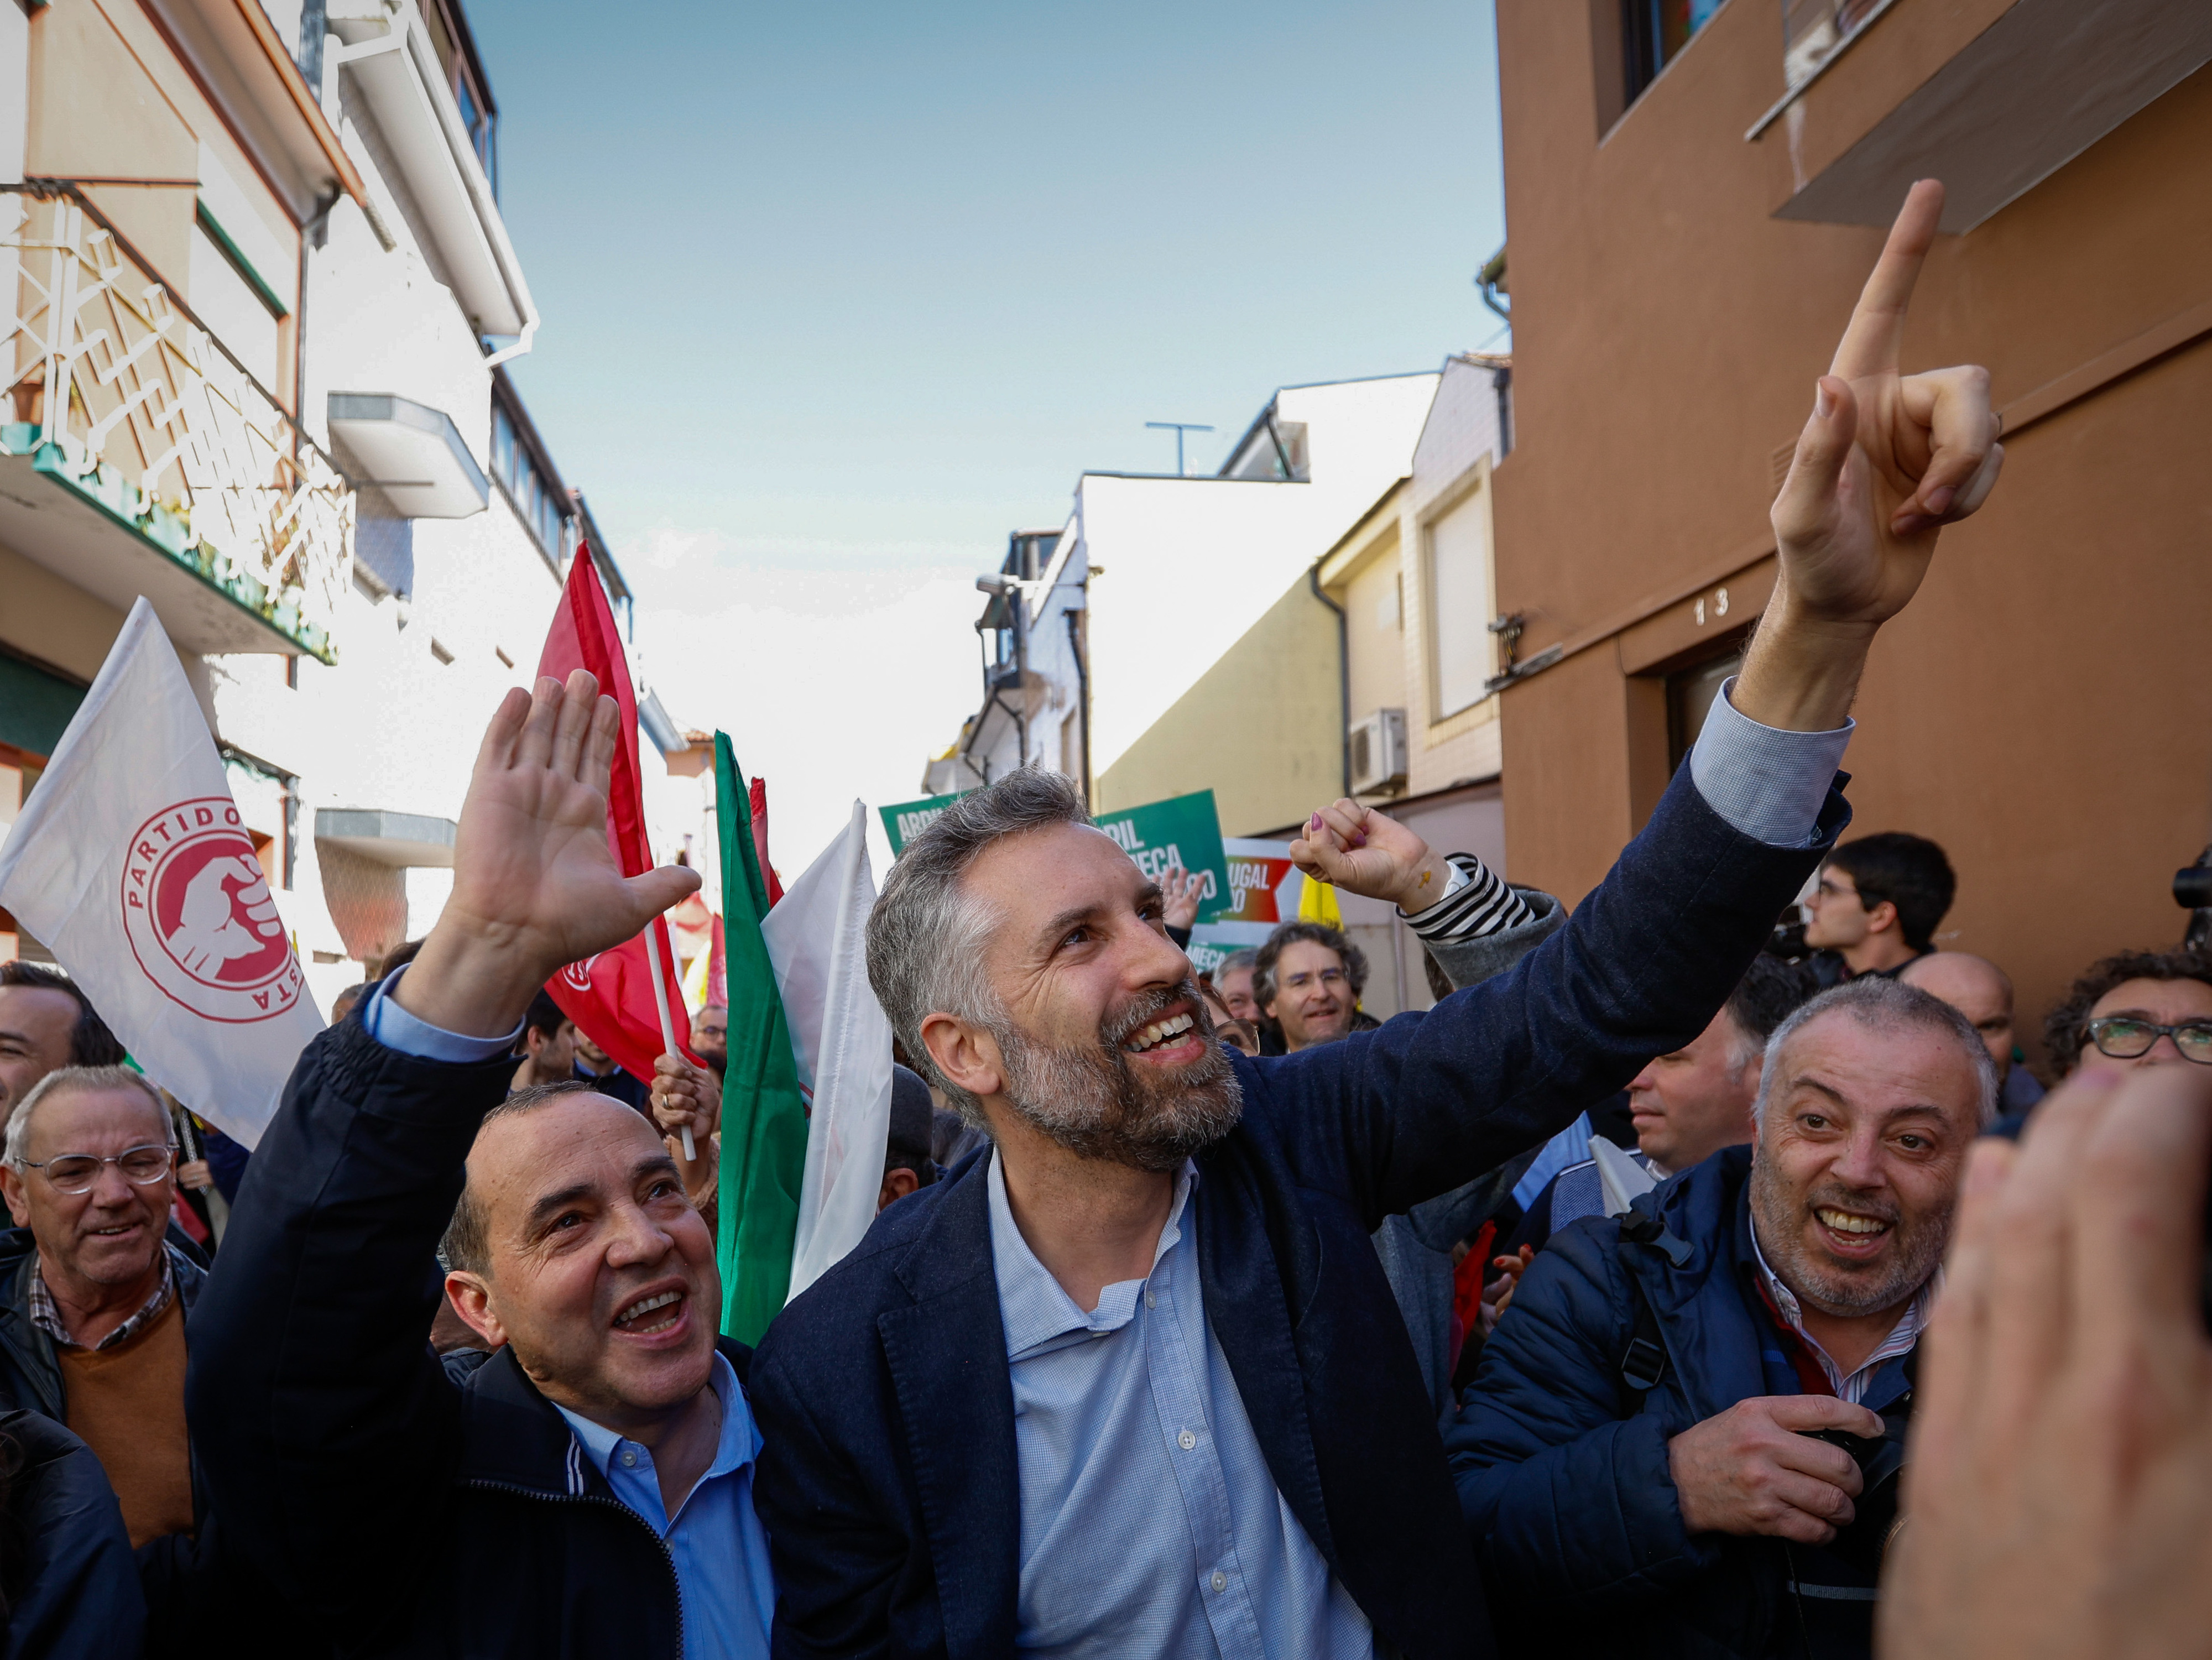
pixel 1475 902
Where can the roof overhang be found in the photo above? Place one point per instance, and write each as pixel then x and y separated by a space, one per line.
pixel 400 839
pixel 665 735
pixel 415 452
pixel 2038 87
pixel 99 535
pixel 391 59
pixel 235 52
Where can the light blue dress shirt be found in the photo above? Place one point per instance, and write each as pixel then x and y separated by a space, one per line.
pixel 1150 1522
pixel 720 1547
pixel 1768 783
pixel 725 1589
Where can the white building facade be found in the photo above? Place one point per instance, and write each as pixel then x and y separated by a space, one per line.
pixel 1092 632
pixel 282 418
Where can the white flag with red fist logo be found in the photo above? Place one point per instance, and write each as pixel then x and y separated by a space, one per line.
pixel 131 865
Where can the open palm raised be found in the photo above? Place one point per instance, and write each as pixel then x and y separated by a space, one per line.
pixel 535 884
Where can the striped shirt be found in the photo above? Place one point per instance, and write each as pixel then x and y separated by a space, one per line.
pixel 1852 1386
pixel 1475 902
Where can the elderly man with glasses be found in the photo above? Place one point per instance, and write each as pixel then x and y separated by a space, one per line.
pixel 95 1305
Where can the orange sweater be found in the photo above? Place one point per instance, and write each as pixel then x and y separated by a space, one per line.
pixel 128 1403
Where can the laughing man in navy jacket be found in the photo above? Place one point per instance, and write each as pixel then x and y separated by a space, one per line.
pixel 1131 1381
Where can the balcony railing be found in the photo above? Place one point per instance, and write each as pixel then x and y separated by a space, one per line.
pixel 120 395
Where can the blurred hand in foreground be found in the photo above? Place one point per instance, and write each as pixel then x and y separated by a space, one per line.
pixel 2059 1497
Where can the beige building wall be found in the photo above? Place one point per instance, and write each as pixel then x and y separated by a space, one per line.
pixel 1450 745
pixel 112 102
pixel 1262 728
pixel 1370 588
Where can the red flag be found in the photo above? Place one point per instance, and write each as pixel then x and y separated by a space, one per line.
pixel 611 995
pixel 757 794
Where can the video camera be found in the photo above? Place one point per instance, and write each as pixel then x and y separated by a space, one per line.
pixel 2192 892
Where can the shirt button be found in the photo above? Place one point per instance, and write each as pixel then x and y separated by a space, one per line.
pixel 1187 1441
pixel 1148 1301
pixel 629 1461
pixel 1220 1580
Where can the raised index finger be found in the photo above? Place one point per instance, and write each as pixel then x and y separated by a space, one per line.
pixel 1876 330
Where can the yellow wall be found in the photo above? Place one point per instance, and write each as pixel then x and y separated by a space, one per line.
pixel 42 616
pixel 1262 728
pixel 1375 630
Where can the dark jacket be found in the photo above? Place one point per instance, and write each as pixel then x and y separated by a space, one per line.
pixel 414 1506
pixel 30 1372
pixel 1416 1248
pixel 193 1596
pixel 1563 1472
pixel 888 1481
pixel 72 1587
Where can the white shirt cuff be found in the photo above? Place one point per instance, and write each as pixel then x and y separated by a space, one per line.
pixel 393 1027
pixel 1768 783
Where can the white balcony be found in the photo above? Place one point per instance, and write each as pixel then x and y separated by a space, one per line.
pixel 142 459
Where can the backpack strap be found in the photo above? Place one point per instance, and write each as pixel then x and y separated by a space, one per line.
pixel 1643 1362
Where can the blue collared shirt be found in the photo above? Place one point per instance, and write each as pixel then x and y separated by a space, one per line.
pixel 726 1592
pixel 720 1547
pixel 1150 1522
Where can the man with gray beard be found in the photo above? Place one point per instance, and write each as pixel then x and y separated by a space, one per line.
pixel 1132 1383
pixel 1634 1457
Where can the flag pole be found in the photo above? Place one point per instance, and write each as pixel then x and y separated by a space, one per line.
pixel 667 1025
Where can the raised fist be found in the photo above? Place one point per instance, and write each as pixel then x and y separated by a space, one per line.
pixel 210 931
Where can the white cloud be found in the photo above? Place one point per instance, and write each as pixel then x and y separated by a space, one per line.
pixel 832 683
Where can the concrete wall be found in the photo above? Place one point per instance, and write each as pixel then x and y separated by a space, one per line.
pixel 1261 727
pixel 1188 565
pixel 2043 709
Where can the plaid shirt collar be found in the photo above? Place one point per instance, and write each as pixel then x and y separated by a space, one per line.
pixel 1852 1386
pixel 48 1318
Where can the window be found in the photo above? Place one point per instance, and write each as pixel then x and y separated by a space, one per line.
pixel 502 446
pixel 1459 605
pixel 1652 34
pixel 232 308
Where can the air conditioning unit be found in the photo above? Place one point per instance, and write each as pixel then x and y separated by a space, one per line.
pixel 1378 752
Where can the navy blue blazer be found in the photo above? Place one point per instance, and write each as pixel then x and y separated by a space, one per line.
pixel 888 1478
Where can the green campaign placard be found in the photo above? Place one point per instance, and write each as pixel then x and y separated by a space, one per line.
pixel 1185 830
pixel 902 823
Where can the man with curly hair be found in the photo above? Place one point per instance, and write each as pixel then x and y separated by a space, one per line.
pixel 1307 979
pixel 2139 1008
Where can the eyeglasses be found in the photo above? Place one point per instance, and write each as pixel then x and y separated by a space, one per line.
pixel 2123 1037
pixel 76 1172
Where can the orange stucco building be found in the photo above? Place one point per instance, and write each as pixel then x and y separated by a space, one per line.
pixel 1695 194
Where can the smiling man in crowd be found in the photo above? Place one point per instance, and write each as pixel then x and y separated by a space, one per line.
pixel 1133 1383
pixel 1633 1458
pixel 94 1305
pixel 586 1488
pixel 1307 979
pixel 46 1022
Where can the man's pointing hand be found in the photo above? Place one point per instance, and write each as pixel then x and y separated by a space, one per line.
pixel 1885 461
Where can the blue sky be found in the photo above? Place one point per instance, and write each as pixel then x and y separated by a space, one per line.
pixel 836 295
